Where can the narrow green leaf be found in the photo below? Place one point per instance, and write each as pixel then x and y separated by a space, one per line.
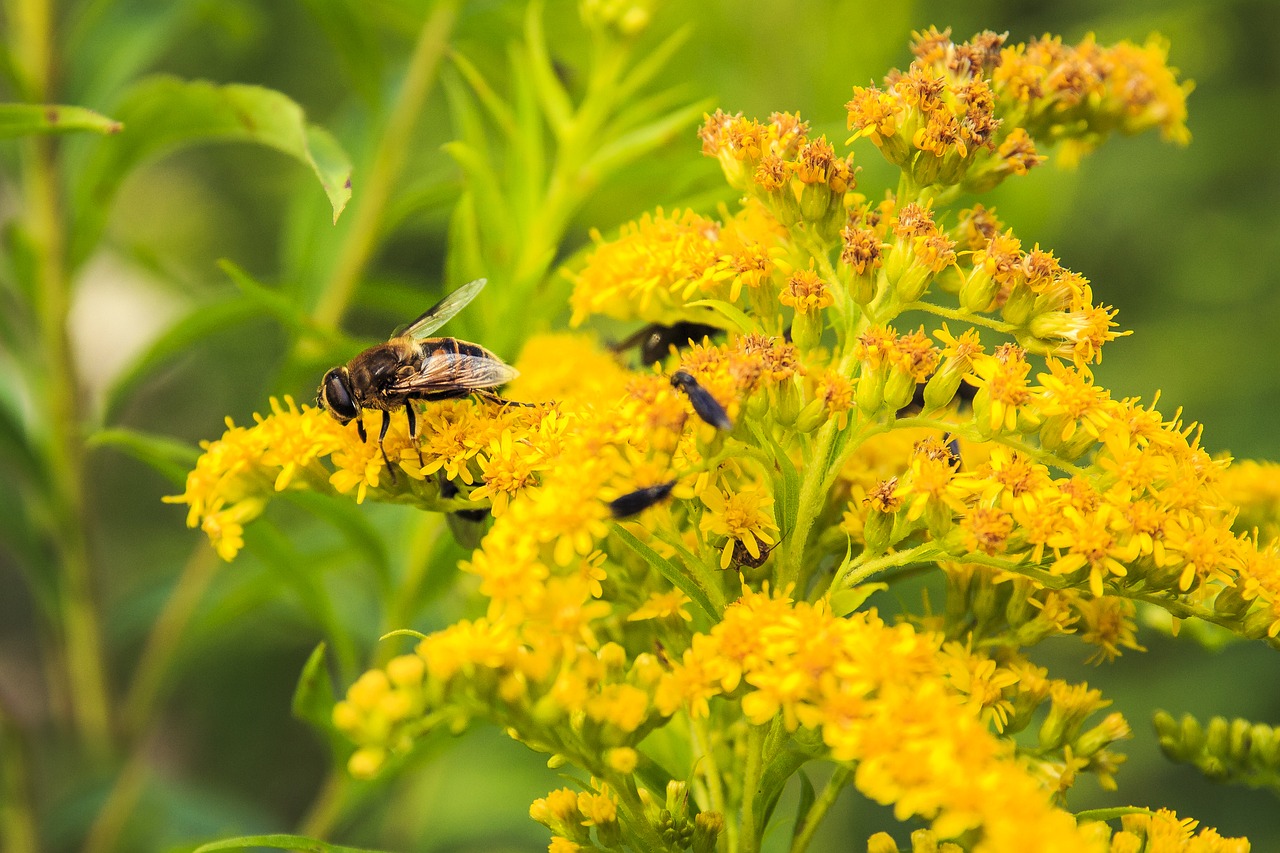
pixel 789 483
pixel 33 119
pixel 652 64
pixel 497 108
pixel 807 797
pixel 846 601
pixel 527 167
pixel 556 103
pixel 313 698
pixel 276 304
pixel 169 456
pixel 202 321
pixel 164 113
pixel 668 570
pixel 353 524
pixel 635 143
pixel 281 842
pixel 492 214
pixel 403 632
pixel 774 779
pixel 731 312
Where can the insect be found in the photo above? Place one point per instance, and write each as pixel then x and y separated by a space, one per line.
pixel 634 503
pixel 707 407
pixel 655 340
pixel 412 366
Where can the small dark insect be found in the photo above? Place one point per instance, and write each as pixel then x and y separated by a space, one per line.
pixel 411 366
pixel 634 503
pixel 702 401
pixel 656 340
pixel 742 557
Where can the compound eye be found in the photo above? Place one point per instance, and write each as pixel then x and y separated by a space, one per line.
pixel 335 394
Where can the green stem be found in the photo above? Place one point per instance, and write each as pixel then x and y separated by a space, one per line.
pixel 752 775
pixel 120 805
pixel 165 637
pixel 813 492
pixel 385 166
pixel 860 570
pixel 64 448
pixel 327 805
pixel 705 761
pixel 813 818
pixel 17 820
pixel 962 316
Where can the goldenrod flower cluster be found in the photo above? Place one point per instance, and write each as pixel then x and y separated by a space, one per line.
pixel 690 546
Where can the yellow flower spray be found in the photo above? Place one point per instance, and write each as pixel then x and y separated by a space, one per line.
pixel 691 546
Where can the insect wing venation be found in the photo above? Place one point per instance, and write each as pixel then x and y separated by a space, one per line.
pixel 443 311
pixel 445 370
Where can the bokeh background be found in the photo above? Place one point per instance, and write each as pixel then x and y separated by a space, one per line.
pixel 1184 241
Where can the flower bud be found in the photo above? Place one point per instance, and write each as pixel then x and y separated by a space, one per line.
pixel 869 395
pixel 1019 306
pixel 814 200
pixel 899 389
pixel 877 528
pixel 806 329
pixel 882 842
pixel 707 827
pixel 863 287
pixel 913 283
pixel 978 291
pixel 812 415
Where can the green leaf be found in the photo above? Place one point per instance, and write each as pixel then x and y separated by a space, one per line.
pixel 202 321
pixel 32 119
pixel 635 143
pixel 163 114
pixel 403 632
pixel 668 570
pixel 789 482
pixel 555 101
pixel 353 524
pixel 774 779
pixel 169 456
pixel 807 797
pixel 497 108
pixel 652 64
pixel 281 842
pixel 313 698
pixel 846 601
pixel 732 312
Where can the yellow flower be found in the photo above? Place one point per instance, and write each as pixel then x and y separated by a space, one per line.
pixel 743 514
pixel 662 605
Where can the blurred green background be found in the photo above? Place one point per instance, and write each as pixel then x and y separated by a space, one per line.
pixel 1185 242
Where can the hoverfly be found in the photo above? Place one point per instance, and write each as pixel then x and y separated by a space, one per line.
pixel 412 366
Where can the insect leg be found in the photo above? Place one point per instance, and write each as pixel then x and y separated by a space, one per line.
pixel 413 428
pixel 360 428
pixel 492 397
pixel 382 433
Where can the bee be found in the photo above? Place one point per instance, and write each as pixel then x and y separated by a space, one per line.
pixel 706 406
pixel 655 340
pixel 412 366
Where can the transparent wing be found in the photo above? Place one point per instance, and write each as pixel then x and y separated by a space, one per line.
pixel 442 312
pixel 457 371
